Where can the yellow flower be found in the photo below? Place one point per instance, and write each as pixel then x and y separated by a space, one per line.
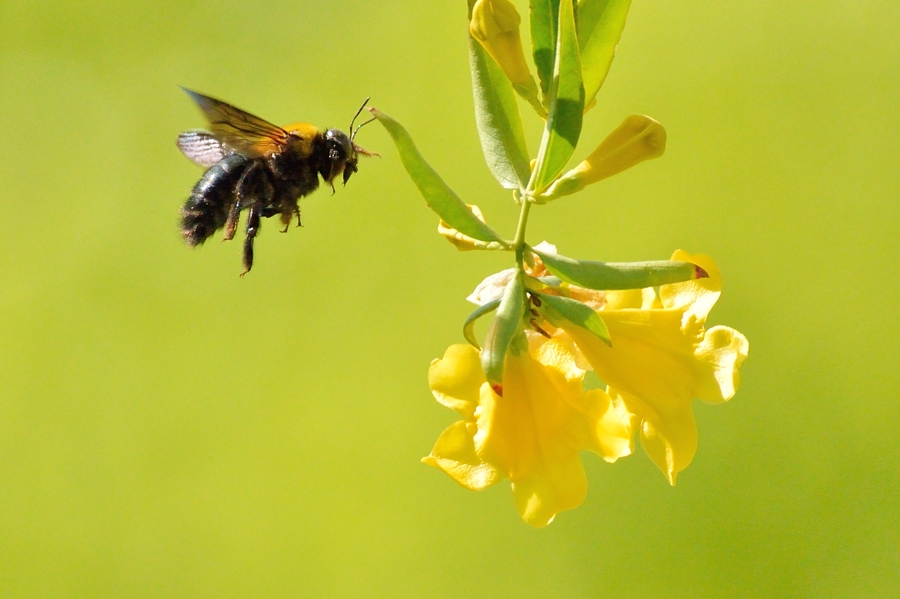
pixel 662 357
pixel 495 24
pixel 532 433
pixel 638 138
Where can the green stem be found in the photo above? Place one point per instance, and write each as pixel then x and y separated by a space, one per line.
pixel 519 241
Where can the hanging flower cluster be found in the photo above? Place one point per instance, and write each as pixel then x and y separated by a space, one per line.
pixel 640 326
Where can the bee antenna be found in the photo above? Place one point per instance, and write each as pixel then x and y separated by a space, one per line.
pixel 355 116
pixel 353 135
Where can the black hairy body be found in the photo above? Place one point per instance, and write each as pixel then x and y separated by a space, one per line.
pixel 256 167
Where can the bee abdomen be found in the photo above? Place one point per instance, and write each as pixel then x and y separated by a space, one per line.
pixel 211 200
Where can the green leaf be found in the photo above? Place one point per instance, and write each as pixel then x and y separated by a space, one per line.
pixel 498 120
pixel 544 16
pixel 619 275
pixel 566 109
pixel 600 25
pixel 469 325
pixel 502 331
pixel 574 312
pixel 437 194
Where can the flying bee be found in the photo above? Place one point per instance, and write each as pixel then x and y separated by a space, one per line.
pixel 256 166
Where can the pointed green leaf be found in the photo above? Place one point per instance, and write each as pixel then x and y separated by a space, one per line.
pixel 498 120
pixel 600 25
pixel 566 109
pixel 469 325
pixel 544 14
pixel 437 194
pixel 502 331
pixel 619 275
pixel 574 312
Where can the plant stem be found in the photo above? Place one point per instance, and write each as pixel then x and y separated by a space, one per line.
pixel 519 241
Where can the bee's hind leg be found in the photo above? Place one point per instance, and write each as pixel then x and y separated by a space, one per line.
pixel 253 221
pixel 243 190
pixel 233 216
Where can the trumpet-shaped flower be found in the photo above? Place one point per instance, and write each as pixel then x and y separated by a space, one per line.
pixel 533 433
pixel 662 357
pixel 637 139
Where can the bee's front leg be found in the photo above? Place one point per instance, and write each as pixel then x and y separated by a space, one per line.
pixel 287 213
pixel 253 222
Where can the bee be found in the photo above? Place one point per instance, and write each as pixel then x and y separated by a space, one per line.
pixel 256 166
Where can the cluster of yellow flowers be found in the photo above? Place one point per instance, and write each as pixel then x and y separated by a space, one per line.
pixel 639 326
pixel 660 359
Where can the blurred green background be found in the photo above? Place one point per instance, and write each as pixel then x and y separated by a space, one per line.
pixel 168 429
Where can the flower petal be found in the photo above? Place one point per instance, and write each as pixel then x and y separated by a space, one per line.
pixel 454 453
pixel 668 433
pixel 720 355
pixel 456 378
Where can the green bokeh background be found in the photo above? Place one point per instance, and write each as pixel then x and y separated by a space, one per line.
pixel 168 429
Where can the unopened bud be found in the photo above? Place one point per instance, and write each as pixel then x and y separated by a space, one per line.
pixel 495 24
pixel 638 138
pixel 463 242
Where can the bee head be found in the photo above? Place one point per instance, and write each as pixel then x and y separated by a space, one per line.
pixel 341 154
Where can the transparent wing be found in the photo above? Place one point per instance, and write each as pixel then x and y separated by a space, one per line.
pixel 201 147
pixel 244 133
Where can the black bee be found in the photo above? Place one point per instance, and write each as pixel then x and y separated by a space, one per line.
pixel 254 165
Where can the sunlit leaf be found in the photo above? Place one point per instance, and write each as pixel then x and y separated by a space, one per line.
pixel 544 15
pixel 600 25
pixel 565 113
pixel 575 312
pixel 498 120
pixel 501 332
pixel 619 275
pixel 469 325
pixel 437 194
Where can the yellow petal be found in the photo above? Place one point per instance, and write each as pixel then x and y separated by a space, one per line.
pixel 454 453
pixel 668 433
pixel 721 353
pixel 612 434
pixel 456 378
pixel 696 296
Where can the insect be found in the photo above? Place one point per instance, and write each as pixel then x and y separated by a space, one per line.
pixel 256 166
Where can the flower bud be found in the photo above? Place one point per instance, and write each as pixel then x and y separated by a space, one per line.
pixel 638 138
pixel 495 24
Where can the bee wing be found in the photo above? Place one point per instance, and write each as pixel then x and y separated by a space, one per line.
pixel 201 147
pixel 246 134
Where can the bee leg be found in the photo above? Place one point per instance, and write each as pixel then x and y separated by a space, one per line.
pixel 231 223
pixel 288 214
pixel 252 230
pixel 242 191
